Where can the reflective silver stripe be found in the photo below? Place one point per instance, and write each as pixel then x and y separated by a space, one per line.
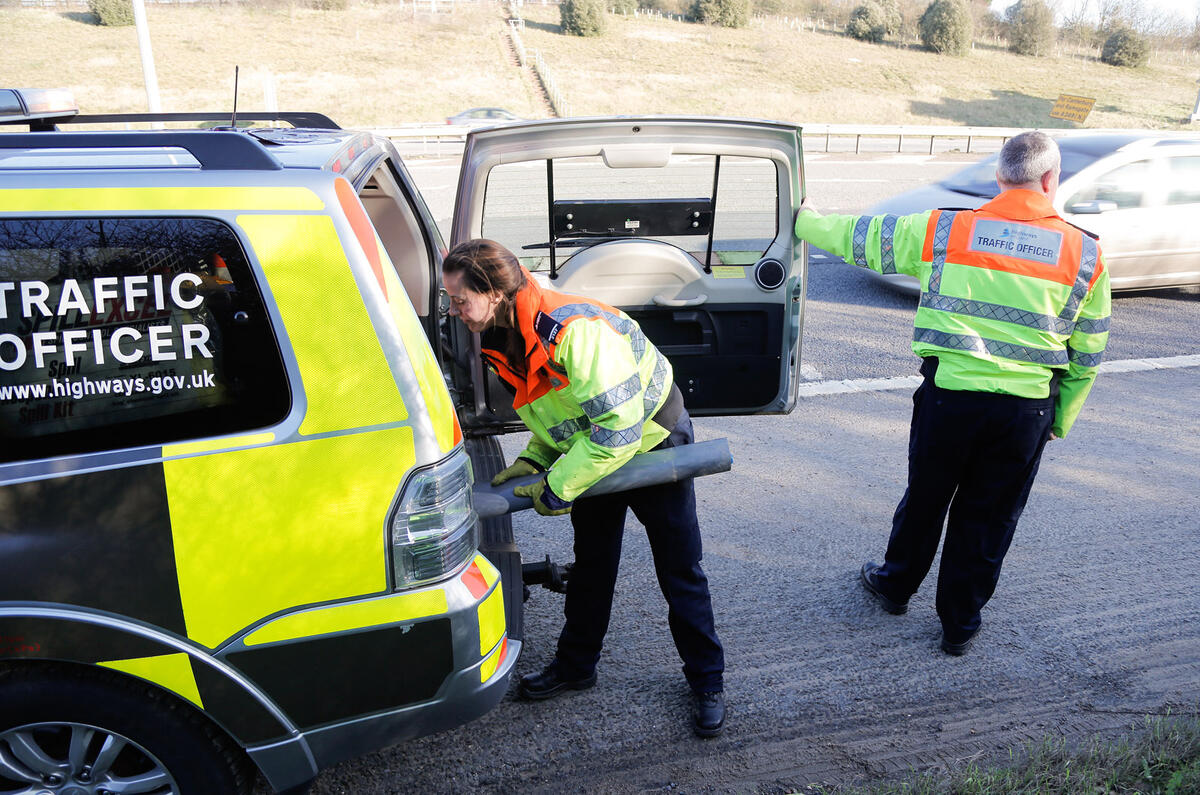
pixel 637 340
pixel 987 311
pixel 859 243
pixel 654 389
pixel 887 239
pixel 607 401
pixel 982 345
pixel 1089 325
pixel 658 381
pixel 607 437
pixel 941 240
pixel 565 430
pixel 1085 359
pixel 1087 266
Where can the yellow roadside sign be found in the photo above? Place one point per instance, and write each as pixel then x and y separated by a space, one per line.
pixel 1072 108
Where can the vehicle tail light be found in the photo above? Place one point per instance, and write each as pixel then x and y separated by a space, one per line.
pixel 433 531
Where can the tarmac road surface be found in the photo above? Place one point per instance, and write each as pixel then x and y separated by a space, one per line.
pixel 1096 621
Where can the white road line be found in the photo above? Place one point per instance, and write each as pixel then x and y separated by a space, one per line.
pixel 1138 365
pixel 821 388
pixel 895 159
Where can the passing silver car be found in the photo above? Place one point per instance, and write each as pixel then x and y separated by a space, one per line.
pixel 1139 192
pixel 477 118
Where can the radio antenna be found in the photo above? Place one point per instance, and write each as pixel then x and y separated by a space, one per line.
pixel 233 121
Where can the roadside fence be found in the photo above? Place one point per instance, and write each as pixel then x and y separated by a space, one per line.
pixel 530 56
pixel 439 140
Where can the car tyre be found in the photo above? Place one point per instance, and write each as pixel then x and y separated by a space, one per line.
pixel 81 728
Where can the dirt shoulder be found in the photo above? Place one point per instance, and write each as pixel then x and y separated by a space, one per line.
pixel 1095 623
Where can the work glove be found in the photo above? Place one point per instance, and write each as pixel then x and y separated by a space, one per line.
pixel 522 466
pixel 545 501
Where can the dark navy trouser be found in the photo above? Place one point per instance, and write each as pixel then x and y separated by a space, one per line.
pixel 669 513
pixel 974 455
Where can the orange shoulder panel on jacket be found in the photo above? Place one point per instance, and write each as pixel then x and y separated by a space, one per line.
pixel 1063 270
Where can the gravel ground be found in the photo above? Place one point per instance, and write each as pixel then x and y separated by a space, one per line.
pixel 1095 621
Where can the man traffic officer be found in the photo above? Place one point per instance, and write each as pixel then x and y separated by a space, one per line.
pixel 1012 323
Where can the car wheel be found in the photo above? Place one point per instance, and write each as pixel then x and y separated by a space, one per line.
pixel 496 535
pixel 76 731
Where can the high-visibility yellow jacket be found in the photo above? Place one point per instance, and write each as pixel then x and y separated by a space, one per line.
pixel 591 386
pixel 1012 296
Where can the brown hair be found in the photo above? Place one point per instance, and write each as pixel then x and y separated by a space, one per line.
pixel 488 267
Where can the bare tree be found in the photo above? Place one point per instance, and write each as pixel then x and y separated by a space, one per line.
pixel 1074 13
pixel 1077 25
pixel 1173 27
pixel 1112 14
pixel 1139 16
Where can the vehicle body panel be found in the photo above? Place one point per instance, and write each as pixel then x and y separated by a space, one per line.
pixel 245 572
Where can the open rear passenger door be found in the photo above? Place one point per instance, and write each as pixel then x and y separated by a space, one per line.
pixel 685 224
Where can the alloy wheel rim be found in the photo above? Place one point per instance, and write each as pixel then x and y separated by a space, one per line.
pixel 65 758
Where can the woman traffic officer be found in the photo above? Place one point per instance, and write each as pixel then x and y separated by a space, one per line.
pixel 594 392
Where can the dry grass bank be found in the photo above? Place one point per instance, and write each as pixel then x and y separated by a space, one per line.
pixel 769 70
pixel 375 65
pixel 372 65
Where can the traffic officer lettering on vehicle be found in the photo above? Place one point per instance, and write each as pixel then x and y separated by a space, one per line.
pixel 594 392
pixel 1012 323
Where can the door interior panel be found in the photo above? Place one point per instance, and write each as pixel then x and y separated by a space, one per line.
pixel 723 358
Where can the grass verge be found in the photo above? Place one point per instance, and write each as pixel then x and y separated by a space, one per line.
pixel 371 65
pixel 773 71
pixel 377 64
pixel 1160 756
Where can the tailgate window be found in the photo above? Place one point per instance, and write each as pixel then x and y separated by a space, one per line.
pixel 124 332
pixel 722 209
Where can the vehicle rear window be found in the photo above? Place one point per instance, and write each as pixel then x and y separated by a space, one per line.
pixel 577 202
pixel 125 332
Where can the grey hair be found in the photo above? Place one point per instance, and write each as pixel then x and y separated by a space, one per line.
pixel 1026 157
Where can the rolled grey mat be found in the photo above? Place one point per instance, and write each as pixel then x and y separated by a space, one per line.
pixel 644 469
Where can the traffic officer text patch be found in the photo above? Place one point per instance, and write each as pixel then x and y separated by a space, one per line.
pixel 547 327
pixel 1022 241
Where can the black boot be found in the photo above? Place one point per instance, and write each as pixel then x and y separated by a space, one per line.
pixel 709 714
pixel 550 682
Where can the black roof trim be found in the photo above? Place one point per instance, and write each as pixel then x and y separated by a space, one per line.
pixel 295 118
pixel 215 150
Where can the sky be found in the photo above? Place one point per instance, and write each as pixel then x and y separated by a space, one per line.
pixel 1187 9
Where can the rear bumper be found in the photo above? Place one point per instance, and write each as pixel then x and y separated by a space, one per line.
pixel 463 698
pixel 293 763
pixel 440 657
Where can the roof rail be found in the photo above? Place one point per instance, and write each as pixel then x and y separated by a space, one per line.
pixel 295 118
pixel 214 150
